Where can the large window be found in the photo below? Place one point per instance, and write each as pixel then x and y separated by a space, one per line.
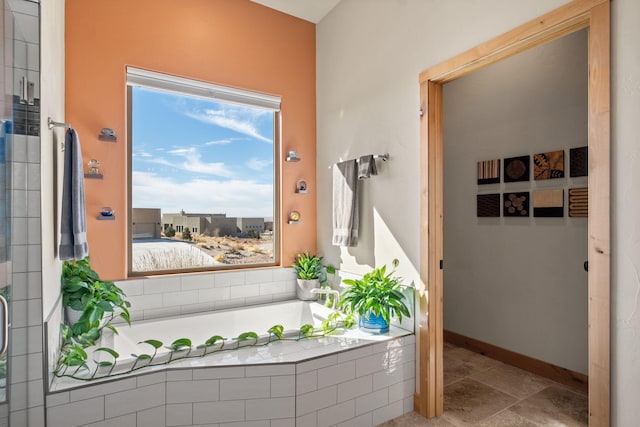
pixel 202 175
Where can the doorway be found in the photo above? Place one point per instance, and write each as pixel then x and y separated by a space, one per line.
pixel 579 14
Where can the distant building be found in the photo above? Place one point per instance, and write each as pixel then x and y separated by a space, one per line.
pixel 145 223
pixel 211 224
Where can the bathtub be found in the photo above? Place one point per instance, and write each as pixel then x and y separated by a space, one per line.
pixel 352 376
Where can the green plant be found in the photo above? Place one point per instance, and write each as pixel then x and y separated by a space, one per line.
pixel 186 234
pixel 84 291
pixel 308 267
pixel 377 293
pixel 170 232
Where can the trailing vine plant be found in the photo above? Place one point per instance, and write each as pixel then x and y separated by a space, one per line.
pixel 74 359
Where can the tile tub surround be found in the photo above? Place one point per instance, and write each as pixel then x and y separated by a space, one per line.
pixel 171 295
pixel 363 385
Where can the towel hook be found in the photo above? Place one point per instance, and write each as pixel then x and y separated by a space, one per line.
pixel 52 124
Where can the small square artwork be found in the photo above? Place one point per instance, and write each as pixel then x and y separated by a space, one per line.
pixel 489 172
pixel 579 202
pixel 548 165
pixel 548 203
pixel 516 169
pixel 488 205
pixel 515 204
pixel 578 162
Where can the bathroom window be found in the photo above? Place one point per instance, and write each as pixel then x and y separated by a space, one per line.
pixel 201 175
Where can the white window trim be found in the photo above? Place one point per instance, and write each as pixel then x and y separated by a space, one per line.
pixel 155 80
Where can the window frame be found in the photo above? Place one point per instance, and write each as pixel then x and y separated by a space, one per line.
pixel 136 77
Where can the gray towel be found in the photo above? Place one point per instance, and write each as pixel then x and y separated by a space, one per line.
pixel 366 167
pixel 345 203
pixel 73 222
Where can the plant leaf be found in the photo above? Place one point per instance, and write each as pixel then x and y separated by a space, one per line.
pixel 247 336
pixel 180 343
pixel 306 330
pixel 153 343
pixel 111 351
pixel 213 340
pixel 277 330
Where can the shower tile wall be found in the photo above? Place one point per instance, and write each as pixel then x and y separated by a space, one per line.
pixel 25 391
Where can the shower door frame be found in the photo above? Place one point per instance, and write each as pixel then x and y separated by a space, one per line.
pixel 576 15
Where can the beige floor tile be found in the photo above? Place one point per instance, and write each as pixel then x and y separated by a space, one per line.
pixel 460 363
pixel 513 381
pixel 507 419
pixel 413 419
pixel 468 401
pixel 555 406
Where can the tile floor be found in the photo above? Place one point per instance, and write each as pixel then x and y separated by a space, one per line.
pixel 479 391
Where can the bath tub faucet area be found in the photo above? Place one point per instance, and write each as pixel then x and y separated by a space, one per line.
pixel 336 295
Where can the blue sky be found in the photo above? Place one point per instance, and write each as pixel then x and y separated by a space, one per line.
pixel 201 155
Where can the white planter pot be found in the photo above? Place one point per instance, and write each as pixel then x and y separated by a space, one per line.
pixel 72 315
pixel 303 290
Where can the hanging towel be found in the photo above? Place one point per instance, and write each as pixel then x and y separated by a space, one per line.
pixel 73 222
pixel 345 203
pixel 366 167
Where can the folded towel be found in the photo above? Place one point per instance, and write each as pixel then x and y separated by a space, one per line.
pixel 345 203
pixel 73 222
pixel 366 167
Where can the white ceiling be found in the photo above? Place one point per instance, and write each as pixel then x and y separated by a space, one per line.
pixel 309 10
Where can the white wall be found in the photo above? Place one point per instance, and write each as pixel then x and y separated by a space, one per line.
pixel 625 184
pixel 517 283
pixel 369 56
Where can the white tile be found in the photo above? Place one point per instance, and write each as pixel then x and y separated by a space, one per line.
pixel 138 399
pixel 197 308
pixel 33 204
pixel 179 414
pixel 161 285
pixel 145 302
pixel 35 393
pixel 336 414
pixel 131 287
pixel 308 420
pixel 19 205
pixel 213 294
pixel 355 388
pixel 402 390
pixel 33 149
pixel 244 291
pixel 316 400
pixel 34 285
pixel 388 377
pixel 56 399
pixel 274 288
pixel 19 396
pixel 245 388
pixel 19 231
pixel 230 278
pixel 285 422
pixel 29 26
pixel 148 379
pixel 77 413
pixel 196 281
pixel 179 375
pixel 19 176
pixel 34 263
pixel 158 313
pixel 192 391
pixel 260 409
pixel 336 374
pixel 179 298
pixel 33 176
pixel 262 299
pixel 261 423
pixel 102 389
pixel 152 417
pixel 35 363
pixel 284 274
pixel 407 404
pixel 318 363
pixel 35 415
pixel 18 418
pixel 18 368
pixel 223 372
pixel 388 412
pixel 365 420
pixel 128 420
pixel 268 370
pixel 372 401
pixel 370 364
pixel 258 276
pixel 217 412
pixel 306 382
pixel 283 386
pixel 231 303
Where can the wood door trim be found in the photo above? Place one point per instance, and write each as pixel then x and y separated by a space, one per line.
pixel 594 14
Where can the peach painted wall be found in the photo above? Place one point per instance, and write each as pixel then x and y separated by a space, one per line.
pixel 230 42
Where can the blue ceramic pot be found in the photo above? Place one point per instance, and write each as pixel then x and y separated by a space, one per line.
pixel 373 323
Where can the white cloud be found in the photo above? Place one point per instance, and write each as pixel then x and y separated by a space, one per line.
pixel 258 164
pixel 193 163
pixel 238 119
pixel 219 142
pixel 234 197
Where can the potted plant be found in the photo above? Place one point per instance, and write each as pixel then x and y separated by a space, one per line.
pixel 310 274
pixel 90 303
pixel 375 298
